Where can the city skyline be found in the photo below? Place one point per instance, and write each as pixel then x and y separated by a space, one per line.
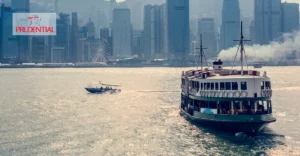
pixel 149 30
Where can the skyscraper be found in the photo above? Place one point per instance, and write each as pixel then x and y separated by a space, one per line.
pixel 208 31
pixel 121 33
pixel 267 20
pixel 9 43
pixel 38 49
pixel 290 14
pixel 155 31
pixel 230 24
pixel 178 28
pixel 91 29
pixel 62 38
pixel 74 38
pixel 22 6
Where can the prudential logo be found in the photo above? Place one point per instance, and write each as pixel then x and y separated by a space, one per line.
pixel 34 24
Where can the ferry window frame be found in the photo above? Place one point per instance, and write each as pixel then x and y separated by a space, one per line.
pixel 217 86
pixel 244 85
pixel 234 86
pixel 212 86
pixel 222 85
pixel 227 85
pixel 262 85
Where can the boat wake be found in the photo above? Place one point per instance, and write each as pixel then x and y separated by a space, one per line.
pixel 157 91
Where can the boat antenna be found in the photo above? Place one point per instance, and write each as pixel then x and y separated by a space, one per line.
pixel 241 48
pixel 201 55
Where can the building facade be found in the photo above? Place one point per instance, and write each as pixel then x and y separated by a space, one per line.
pixel 22 6
pixel 230 28
pixel 209 35
pixel 178 28
pixel 9 42
pixel 267 20
pixel 38 49
pixel 290 17
pixel 62 38
pixel 74 38
pixel 121 33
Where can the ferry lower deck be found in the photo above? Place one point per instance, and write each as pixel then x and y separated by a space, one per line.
pixel 240 115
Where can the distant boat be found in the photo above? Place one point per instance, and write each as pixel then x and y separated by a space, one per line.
pixel 99 88
pixel 257 65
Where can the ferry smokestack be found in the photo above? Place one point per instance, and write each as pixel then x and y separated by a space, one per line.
pixel 218 65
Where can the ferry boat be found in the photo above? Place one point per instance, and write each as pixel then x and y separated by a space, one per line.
pixel 99 88
pixel 228 99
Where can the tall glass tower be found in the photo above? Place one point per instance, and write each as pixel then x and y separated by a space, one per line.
pixel 230 24
pixel 178 28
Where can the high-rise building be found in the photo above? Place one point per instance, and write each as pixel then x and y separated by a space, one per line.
pixel 155 32
pixel 178 28
pixel 104 34
pixel 22 6
pixel 290 17
pixel 230 28
pixel 74 38
pixel 91 29
pixel 9 42
pixel 267 20
pixel 106 40
pixel 137 42
pixel 121 33
pixel 1 21
pixel 208 31
pixel 38 51
pixel 62 38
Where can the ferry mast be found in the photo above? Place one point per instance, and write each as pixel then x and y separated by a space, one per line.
pixel 201 54
pixel 242 49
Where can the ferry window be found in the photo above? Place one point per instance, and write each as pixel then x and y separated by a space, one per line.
pixel 208 86
pixel 228 85
pixel 243 85
pixel 217 86
pixel 236 105
pixel 205 86
pixel 244 104
pixel 268 85
pixel 262 85
pixel 201 86
pixel 198 86
pixel 222 86
pixel 197 106
pixel 212 86
pixel 235 86
pixel 213 105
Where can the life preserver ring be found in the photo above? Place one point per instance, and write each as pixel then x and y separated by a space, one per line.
pixel 219 93
pixel 245 94
pixel 235 93
pixel 223 93
pixel 214 93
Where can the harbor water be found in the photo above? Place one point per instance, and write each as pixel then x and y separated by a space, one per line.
pixel 48 112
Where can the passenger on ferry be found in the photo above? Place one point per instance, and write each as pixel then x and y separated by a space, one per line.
pixel 248 109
